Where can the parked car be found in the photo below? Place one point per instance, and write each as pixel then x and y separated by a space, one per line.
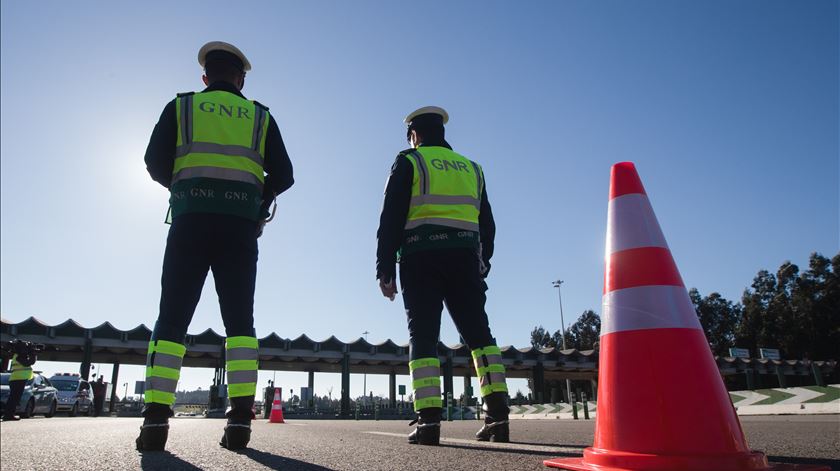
pixel 39 396
pixel 74 393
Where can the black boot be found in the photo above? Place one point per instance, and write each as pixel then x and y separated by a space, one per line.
pixel 155 428
pixel 238 428
pixel 494 432
pixel 237 435
pixel 496 424
pixel 428 427
pixel 153 434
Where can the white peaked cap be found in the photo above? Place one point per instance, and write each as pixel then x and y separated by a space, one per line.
pixel 427 110
pixel 222 46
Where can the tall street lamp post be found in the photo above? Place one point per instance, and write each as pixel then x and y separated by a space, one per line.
pixel 364 381
pixel 563 335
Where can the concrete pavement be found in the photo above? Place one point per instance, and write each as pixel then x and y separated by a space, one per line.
pixel 108 443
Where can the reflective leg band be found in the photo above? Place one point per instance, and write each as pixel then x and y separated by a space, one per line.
pixel 489 369
pixel 163 369
pixel 425 380
pixel 242 356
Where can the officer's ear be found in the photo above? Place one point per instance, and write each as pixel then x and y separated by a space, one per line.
pixel 204 79
pixel 241 82
pixel 413 138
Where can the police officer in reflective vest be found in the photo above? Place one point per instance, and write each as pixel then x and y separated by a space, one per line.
pixel 436 219
pixel 21 373
pixel 212 150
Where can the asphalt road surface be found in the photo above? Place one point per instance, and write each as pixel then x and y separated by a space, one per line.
pixel 108 444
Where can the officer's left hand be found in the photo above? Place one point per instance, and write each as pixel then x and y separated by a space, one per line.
pixel 265 215
pixel 389 289
pixel 484 269
pixel 260 227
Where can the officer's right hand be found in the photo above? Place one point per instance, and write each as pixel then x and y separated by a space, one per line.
pixel 389 288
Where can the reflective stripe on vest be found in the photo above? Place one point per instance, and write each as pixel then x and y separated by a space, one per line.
pixel 20 372
pixel 163 370
pixel 241 361
pixel 221 136
pixel 489 369
pixel 446 189
pixel 425 381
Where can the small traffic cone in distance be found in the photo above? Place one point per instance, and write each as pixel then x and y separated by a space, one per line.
pixel 276 416
pixel 662 404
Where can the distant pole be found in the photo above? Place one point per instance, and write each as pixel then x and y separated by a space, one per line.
pixel 563 334
pixel 125 396
pixel 364 381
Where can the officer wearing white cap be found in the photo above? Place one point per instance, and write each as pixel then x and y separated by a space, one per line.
pixel 437 223
pixel 223 160
pixel 213 48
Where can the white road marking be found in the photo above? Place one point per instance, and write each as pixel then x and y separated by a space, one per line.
pixel 799 395
pixel 750 397
pixel 507 446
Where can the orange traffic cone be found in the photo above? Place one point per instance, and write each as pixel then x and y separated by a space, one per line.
pixel 662 404
pixel 276 416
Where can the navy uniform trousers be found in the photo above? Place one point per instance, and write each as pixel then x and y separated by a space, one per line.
pixel 432 278
pixel 16 388
pixel 197 243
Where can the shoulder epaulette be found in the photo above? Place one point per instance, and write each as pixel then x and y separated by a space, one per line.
pixel 185 94
pixel 260 105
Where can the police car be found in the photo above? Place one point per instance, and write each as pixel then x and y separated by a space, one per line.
pixel 39 396
pixel 74 394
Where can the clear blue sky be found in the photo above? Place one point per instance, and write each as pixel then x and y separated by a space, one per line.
pixel 728 109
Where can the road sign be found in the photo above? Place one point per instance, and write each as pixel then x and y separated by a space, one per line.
pixel 769 353
pixel 139 387
pixel 739 352
pixel 402 389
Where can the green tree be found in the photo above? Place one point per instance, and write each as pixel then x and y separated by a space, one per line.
pixel 719 318
pixel 756 328
pixel 816 304
pixel 798 313
pixel 789 325
pixel 557 340
pixel 540 338
pixel 584 333
pixel 581 335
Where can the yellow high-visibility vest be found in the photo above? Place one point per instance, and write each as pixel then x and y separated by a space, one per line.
pixel 219 155
pixel 20 372
pixel 446 189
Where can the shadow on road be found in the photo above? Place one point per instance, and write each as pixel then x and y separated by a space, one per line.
pixel 279 462
pixel 164 460
pixel 518 451
pixel 834 464
pixel 559 445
